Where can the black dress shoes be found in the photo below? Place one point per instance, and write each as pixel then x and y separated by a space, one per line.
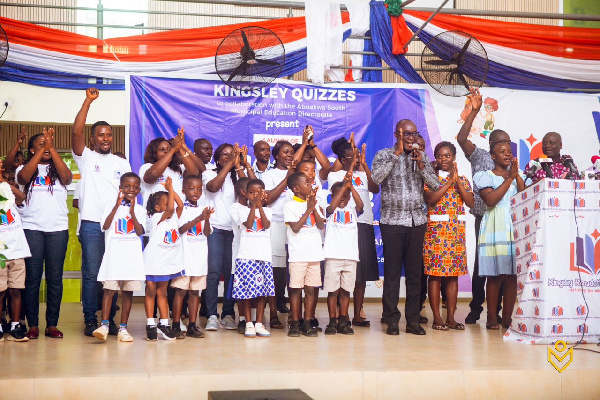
pixel 393 329
pixel 415 329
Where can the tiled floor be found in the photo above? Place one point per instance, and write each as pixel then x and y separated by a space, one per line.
pixel 473 364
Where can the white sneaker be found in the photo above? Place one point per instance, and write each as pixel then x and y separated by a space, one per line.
pixel 212 324
pixel 229 323
pixel 124 336
pixel 101 333
pixel 261 331
pixel 250 331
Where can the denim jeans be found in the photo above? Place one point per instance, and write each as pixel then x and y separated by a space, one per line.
pixel 219 262
pixel 91 238
pixel 48 250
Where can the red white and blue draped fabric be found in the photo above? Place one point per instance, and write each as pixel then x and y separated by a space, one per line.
pixel 55 58
pixel 525 56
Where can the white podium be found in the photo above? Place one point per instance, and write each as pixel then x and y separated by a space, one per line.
pixel 557 232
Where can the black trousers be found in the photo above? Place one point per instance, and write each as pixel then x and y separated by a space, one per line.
pixel 402 245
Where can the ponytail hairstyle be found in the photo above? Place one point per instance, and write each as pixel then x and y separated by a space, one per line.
pixel 340 147
pixel 51 168
pixel 217 154
pixel 153 200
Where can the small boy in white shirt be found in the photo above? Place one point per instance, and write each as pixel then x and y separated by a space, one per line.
pixel 341 253
pixel 304 220
pixel 12 274
pixel 122 265
pixel 194 226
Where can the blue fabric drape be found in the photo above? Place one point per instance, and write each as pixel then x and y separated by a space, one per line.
pixel 381 32
pixel 371 61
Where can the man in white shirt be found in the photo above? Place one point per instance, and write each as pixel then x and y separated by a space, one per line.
pixel 100 176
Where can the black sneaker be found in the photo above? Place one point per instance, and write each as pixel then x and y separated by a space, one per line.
pixel 17 335
pixel 331 328
pixel 314 323
pixel 241 329
pixel 294 330
pixel 166 332
pixel 151 332
pixel 5 325
pixel 90 327
pixel 308 330
pixel 113 329
pixel 194 332
pixel 178 333
pixel 23 327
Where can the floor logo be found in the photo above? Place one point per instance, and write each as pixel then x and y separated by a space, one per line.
pixel 559 356
pixel 585 254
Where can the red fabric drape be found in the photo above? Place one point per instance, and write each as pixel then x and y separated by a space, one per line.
pixel 161 46
pixel 557 41
pixel 401 34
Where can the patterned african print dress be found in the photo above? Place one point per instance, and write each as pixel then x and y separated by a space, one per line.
pixel 444 250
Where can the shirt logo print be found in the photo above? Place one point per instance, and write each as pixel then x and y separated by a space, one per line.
pixel 171 236
pixel 124 226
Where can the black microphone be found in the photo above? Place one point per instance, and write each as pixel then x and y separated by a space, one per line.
pixel 569 164
pixel 415 147
pixel 534 167
pixel 546 162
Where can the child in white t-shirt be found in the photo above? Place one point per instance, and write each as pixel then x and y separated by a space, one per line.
pixel 253 277
pixel 304 219
pixel 122 266
pixel 163 257
pixel 341 253
pixel 194 226
pixel 12 274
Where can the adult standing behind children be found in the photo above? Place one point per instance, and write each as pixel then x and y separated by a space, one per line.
pixel 403 223
pixel 44 179
pixel 481 160
pixel 100 176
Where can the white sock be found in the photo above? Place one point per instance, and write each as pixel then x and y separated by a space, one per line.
pixel 253 312
pixel 163 321
pixel 242 319
pixel 13 325
pixel 150 322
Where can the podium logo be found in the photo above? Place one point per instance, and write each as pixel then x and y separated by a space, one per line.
pixel 521 327
pixel 518 252
pixel 516 233
pixel 528 247
pixel 523 195
pixel 553 201
pixel 535 292
pixel 525 212
pixel 519 268
pixel 537 310
pixel 520 286
pixel 519 311
pixel 536 328
pixel 536 206
pixel 513 217
pixel 534 257
pixel 534 275
pixel 527 229
pixel 579 202
pixel 559 356
pixel 513 201
pixel 553 185
pixel 585 254
pixel 583 328
pixel 536 189
pixel 557 311
pixel 579 185
pixel 581 310
pixel 556 329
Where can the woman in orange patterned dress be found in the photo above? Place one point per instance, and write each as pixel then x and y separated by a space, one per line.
pixel 444 250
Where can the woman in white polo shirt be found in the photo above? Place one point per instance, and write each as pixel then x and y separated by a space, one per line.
pixel 44 179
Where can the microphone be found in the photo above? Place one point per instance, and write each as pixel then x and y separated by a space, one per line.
pixel 415 147
pixel 534 167
pixel 569 164
pixel 546 162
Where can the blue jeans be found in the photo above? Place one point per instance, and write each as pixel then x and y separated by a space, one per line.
pixel 219 262
pixel 91 238
pixel 47 249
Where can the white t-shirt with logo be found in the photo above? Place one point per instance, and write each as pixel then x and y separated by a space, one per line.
pixel 361 185
pixel 147 189
pixel 11 233
pixel 272 178
pixel 255 242
pixel 123 259
pixel 221 200
pixel 45 210
pixel 100 179
pixel 341 235
pixel 306 245
pixel 195 245
pixel 163 254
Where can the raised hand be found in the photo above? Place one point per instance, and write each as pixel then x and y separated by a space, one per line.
pixel 264 196
pixel 92 93
pixel 514 169
pixel 400 142
pixel 351 140
pixel 22 136
pixel 120 197
pixel 475 98
pixel 347 181
pixel 311 200
pixel 206 213
pixel 292 167
pixel 308 130
pixel 453 178
pixel 169 184
pixel 363 155
pixel 48 138
pixel 244 156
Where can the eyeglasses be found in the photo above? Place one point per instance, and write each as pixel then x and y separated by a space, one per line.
pixel 410 134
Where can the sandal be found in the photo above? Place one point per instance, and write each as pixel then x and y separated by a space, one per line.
pixel 362 323
pixel 492 327
pixel 458 326
pixel 275 323
pixel 442 327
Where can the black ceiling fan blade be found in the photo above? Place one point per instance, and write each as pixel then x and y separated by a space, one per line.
pixel 240 68
pixel 437 62
pixel 459 58
pixel 451 78
pixel 268 62
pixel 245 39
pixel 462 80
